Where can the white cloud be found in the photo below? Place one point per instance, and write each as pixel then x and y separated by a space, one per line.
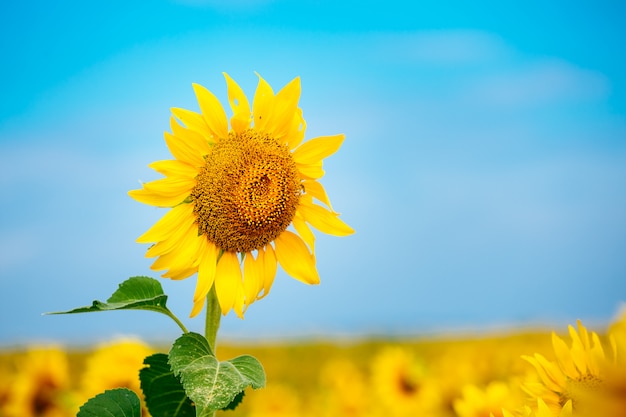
pixel 545 203
pixel 539 82
pixel 446 47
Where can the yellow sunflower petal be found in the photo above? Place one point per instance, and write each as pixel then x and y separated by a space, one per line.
pixel 228 281
pixel 170 185
pixel 295 134
pixel 505 413
pixel 165 192
pixel 552 372
pixel 194 121
pixel 173 240
pixel 295 258
pixel 175 218
pixel 315 150
pixel 177 275
pixel 285 105
pixel 310 171
pixel 262 104
pixel 206 270
pixel 240 304
pixel 239 104
pixel 567 409
pixel 316 190
pixel 269 265
pixel 304 231
pixel 324 220
pixel 186 252
pixel 584 335
pixel 212 111
pixel 198 305
pixel 174 168
pixel 157 199
pixel 546 377
pixel 252 277
pixel 596 355
pixel 577 351
pixel 542 408
pixel 192 145
pixel 161 262
pixel 563 356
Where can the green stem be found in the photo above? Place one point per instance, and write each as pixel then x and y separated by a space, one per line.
pixel 180 323
pixel 213 317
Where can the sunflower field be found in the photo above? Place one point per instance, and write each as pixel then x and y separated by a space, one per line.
pixel 572 371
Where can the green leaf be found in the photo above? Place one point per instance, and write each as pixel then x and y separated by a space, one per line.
pixel 165 395
pixel 235 402
pixel 212 385
pixel 136 293
pixel 119 402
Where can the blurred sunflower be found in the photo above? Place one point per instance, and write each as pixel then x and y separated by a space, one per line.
pixel 276 400
pixel 114 365
pixel 41 387
pixel 236 191
pixel 490 400
pixel 542 410
pixel 402 384
pixel 343 392
pixel 579 375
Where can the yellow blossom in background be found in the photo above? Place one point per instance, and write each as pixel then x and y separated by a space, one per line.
pixel 430 377
pixel 344 391
pixel 542 410
pixel 114 365
pixel 579 375
pixel 275 400
pixel 478 402
pixel 233 192
pixel 7 374
pixel 401 384
pixel 617 335
pixel 41 387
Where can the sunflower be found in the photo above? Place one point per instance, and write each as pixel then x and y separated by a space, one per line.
pixel 343 390
pixel 276 400
pixel 578 376
pixel 542 410
pixel 477 401
pixel 42 386
pixel 234 192
pixel 402 384
pixel 113 365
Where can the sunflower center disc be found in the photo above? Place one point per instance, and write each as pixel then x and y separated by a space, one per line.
pixel 247 193
pixel 579 389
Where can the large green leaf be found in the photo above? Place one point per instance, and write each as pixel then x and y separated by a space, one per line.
pixel 119 402
pixel 165 395
pixel 212 385
pixel 136 293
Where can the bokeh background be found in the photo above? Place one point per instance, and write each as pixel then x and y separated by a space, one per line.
pixel 484 167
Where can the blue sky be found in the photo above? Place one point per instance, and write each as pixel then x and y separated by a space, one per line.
pixel 484 167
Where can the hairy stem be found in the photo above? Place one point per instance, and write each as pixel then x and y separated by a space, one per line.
pixel 213 317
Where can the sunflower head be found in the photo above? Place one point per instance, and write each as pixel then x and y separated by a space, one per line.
pixel 402 383
pixel 580 376
pixel 42 385
pixel 262 182
pixel 243 195
pixel 112 365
